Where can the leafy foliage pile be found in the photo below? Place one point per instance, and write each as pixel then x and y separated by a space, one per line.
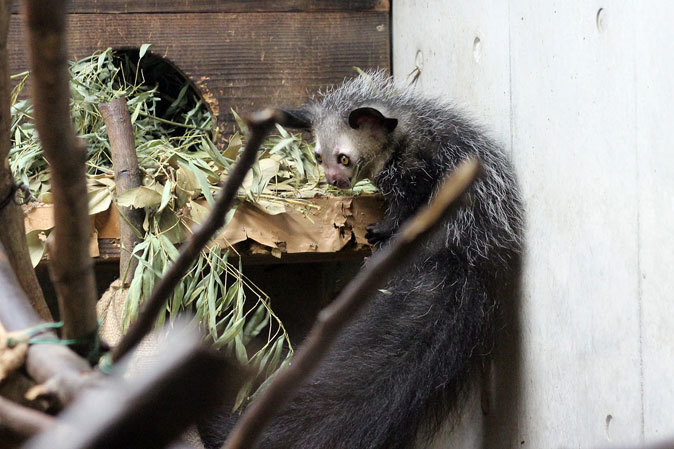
pixel 181 168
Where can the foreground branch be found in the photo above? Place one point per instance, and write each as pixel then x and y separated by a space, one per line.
pixel 58 367
pixel 13 235
pixel 259 125
pixel 18 423
pixel 354 296
pixel 70 264
pixel 127 176
pixel 151 408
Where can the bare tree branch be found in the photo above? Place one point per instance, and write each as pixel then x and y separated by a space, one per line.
pixel 151 408
pixel 63 372
pixel 18 423
pixel 259 125
pixel 71 267
pixel 127 176
pixel 13 235
pixel 354 296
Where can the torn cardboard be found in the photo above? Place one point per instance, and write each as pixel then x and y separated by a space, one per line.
pixel 328 225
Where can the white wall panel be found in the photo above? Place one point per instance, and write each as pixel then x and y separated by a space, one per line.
pixel 654 123
pixel 574 145
pixel 442 34
pixel 582 93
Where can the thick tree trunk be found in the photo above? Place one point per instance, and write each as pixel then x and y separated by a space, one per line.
pixel 13 235
pixel 71 266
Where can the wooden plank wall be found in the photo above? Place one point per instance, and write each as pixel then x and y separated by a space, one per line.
pixel 240 54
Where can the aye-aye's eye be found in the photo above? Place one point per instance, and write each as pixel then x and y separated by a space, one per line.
pixel 319 159
pixel 344 159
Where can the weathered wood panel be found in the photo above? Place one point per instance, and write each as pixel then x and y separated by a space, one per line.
pixel 241 61
pixel 128 6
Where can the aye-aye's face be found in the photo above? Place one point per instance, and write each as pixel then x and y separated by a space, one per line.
pixel 353 149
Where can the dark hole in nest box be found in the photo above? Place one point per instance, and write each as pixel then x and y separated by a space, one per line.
pixel 177 92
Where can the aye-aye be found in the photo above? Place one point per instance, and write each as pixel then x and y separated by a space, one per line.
pixel 401 367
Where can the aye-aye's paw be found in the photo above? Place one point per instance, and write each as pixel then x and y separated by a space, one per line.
pixel 378 232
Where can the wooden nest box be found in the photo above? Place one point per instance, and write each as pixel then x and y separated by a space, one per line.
pixel 243 55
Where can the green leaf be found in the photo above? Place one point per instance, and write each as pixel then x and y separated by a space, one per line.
pixel 177 102
pixel 198 213
pixel 210 298
pixel 243 394
pixel 275 356
pixel 187 181
pixel 177 300
pixel 282 144
pixel 271 207
pixel 143 50
pixel 232 331
pixel 210 148
pixel 240 350
pixel 170 249
pixel 232 150
pixel 203 183
pixel 133 298
pixel 165 196
pixel 136 111
pixel 139 198
pixel 257 322
pixel 240 123
pixel 101 60
pixel 171 226
pixel 99 200
pixel 282 131
pixel 36 245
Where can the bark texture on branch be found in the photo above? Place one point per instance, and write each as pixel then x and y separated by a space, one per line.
pixel 13 235
pixel 151 408
pixel 63 371
pixel 259 125
pixel 127 176
pixel 355 295
pixel 18 423
pixel 71 267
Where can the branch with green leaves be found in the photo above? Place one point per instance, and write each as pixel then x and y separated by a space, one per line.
pixel 260 125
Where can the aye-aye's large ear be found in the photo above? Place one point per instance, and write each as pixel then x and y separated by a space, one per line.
pixel 373 116
pixel 296 118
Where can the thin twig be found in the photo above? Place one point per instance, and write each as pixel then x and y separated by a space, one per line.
pixel 13 235
pixel 71 266
pixel 354 296
pixel 18 423
pixel 127 176
pixel 259 124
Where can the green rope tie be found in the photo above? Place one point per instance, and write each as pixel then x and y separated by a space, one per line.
pixel 31 339
pixel 105 364
pixel 32 332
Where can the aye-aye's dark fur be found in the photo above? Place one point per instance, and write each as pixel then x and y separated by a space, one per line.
pixel 401 366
